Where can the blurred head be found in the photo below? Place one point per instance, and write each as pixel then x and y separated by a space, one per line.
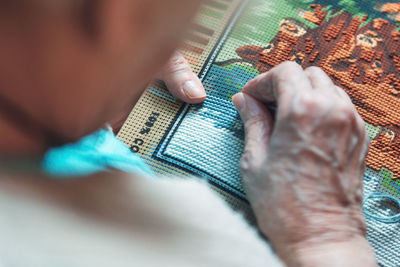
pixel 73 65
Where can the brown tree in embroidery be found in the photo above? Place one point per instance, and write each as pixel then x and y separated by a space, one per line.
pixel 362 58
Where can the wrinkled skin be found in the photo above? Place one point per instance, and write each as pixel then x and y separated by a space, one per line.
pixel 303 173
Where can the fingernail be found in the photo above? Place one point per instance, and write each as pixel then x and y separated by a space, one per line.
pixel 193 90
pixel 239 102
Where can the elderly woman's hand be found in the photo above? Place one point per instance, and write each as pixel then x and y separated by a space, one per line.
pixel 303 173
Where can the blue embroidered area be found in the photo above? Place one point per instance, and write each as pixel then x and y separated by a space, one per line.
pixel 207 139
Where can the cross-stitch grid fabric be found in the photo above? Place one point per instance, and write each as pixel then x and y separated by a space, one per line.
pixel 356 42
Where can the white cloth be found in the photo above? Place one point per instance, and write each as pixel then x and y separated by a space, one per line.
pixel 173 222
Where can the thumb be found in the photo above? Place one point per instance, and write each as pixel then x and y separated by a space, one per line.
pixel 258 123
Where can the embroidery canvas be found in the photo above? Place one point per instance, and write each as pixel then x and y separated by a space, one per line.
pixel 357 43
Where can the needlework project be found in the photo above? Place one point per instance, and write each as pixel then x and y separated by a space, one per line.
pixel 357 43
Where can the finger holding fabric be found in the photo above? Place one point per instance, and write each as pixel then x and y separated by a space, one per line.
pixel 181 82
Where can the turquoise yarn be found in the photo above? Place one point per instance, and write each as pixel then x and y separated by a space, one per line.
pixel 98 152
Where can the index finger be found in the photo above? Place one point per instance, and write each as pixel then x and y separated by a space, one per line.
pixel 281 82
pixel 181 82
